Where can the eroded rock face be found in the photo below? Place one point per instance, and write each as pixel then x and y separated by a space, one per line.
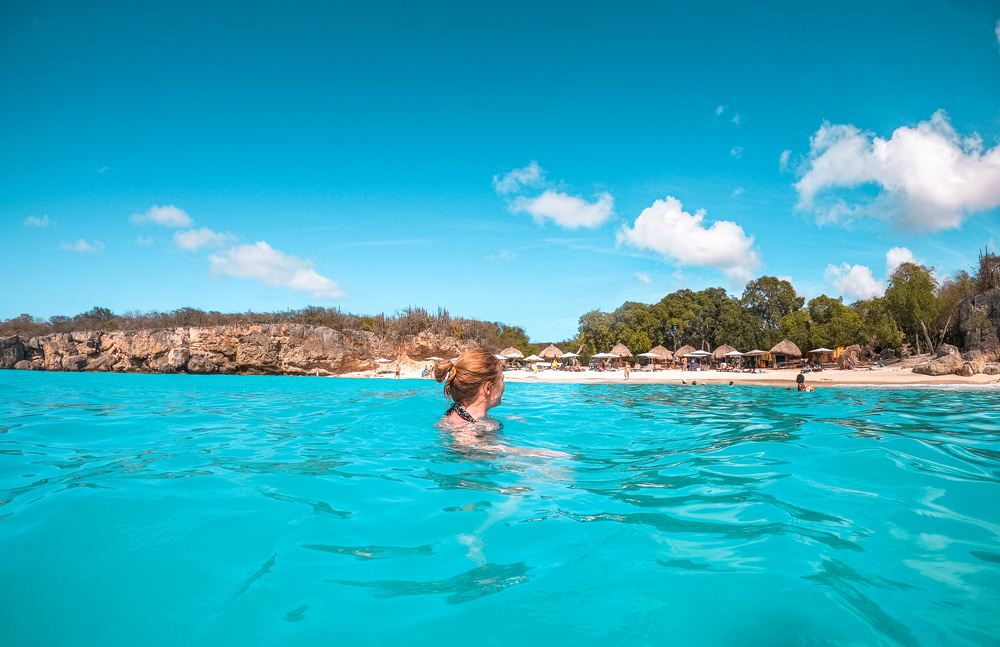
pixel 271 349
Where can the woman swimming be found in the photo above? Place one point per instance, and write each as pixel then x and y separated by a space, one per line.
pixel 474 384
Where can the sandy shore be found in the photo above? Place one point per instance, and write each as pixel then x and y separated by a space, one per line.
pixel 900 374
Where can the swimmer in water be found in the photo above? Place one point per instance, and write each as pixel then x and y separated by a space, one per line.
pixel 474 383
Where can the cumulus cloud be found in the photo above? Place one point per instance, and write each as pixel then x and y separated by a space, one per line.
pixel 83 246
pixel 896 257
pixel 531 175
pixel 719 111
pixel 737 152
pixel 566 210
pixel 930 177
pixel 736 120
pixel 854 281
pixel 168 216
pixel 665 228
pixel 643 278
pixel 193 239
pixel 35 221
pixel 738 191
pixel 144 240
pixel 271 267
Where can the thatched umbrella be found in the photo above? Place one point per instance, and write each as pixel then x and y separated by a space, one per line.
pixel 682 351
pixel 662 352
pixel 621 351
pixel 551 352
pixel 511 351
pixel 719 353
pixel 785 349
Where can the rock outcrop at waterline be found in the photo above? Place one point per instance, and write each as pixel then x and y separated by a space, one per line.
pixel 270 349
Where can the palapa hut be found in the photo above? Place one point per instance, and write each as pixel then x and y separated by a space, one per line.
pixel 662 354
pixel 719 354
pixel 621 351
pixel 681 352
pixel 550 352
pixel 785 350
pixel 511 351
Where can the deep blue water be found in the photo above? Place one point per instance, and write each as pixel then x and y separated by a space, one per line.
pixel 168 510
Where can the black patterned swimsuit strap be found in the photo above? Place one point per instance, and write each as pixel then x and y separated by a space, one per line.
pixel 462 413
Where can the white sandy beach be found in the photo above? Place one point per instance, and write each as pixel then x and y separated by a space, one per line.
pixel 897 374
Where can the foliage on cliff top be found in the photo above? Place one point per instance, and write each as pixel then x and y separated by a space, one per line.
pixel 408 321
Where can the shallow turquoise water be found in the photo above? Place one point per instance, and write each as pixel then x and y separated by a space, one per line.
pixel 164 510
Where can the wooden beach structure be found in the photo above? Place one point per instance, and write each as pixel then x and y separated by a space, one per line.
pixel 784 351
pixel 621 351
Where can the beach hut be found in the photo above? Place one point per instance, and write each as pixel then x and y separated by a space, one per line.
pixel 756 355
pixel 511 353
pixel 822 355
pixel 784 351
pixel 550 353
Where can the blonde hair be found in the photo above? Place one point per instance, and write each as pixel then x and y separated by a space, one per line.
pixel 464 376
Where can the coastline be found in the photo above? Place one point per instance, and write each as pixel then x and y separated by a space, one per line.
pixel 887 376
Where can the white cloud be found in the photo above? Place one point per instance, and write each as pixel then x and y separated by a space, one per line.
pixel 930 176
pixel 896 257
pixel 643 278
pixel 35 221
pixel 783 161
pixel 737 152
pixel 854 281
pixel 168 216
pixel 719 111
pixel 665 228
pixel 274 268
pixel 565 210
pixel 102 170
pixel 736 119
pixel 144 240
pixel 738 191
pixel 83 246
pixel 192 239
pixel 531 175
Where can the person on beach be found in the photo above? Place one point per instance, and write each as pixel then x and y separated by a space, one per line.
pixel 626 370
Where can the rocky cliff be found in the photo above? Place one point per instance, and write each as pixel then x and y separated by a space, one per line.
pixel 273 349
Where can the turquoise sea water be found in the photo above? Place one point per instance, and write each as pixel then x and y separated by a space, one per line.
pixel 169 510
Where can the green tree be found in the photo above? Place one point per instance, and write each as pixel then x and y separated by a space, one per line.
pixel 832 323
pixel 878 327
pixel 911 301
pixel 950 295
pixel 797 327
pixel 770 300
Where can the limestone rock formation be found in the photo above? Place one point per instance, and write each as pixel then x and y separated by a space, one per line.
pixel 948 361
pixel 271 349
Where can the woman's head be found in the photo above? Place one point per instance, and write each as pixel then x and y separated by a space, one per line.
pixel 476 373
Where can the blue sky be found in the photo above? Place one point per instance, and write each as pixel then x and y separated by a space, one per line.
pixel 524 163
